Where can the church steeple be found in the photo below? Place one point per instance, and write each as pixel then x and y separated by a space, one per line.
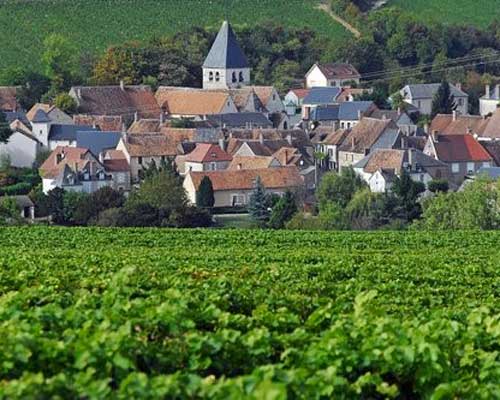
pixel 226 66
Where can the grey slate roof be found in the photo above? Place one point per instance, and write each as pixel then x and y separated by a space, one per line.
pixel 67 132
pixel 428 90
pixel 11 116
pixel 387 140
pixel 40 117
pixel 97 142
pixel 240 120
pixel 349 110
pixel 329 113
pixel 322 95
pixel 226 51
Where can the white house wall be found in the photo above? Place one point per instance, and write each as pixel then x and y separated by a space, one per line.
pixel 21 150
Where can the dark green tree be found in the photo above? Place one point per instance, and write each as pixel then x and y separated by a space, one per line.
pixel 443 102
pixel 257 206
pixel 283 211
pixel 5 131
pixel 55 205
pixel 205 193
pixel 339 188
pixel 407 192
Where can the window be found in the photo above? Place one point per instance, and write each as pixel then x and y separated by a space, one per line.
pixel 241 77
pixel 419 104
pixel 86 176
pixel 162 158
pixel 213 166
pixel 460 102
pixel 237 199
pixel 217 77
pixel 139 160
pixel 211 76
pixel 455 168
pixel 330 152
pixel 486 164
pixel 234 77
pixel 470 167
pixel 274 97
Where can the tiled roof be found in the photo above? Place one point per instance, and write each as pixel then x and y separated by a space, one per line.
pixel 447 124
pixel 460 148
pixel 264 93
pixel 116 165
pixel 114 155
pixel 40 117
pixel 428 90
pixel 288 156
pixel 145 126
pixel 322 95
pixel 149 145
pixel 67 132
pixel 106 123
pixel 38 106
pixel 73 156
pixel 491 128
pixel 8 99
pixel 204 152
pixel 97 142
pixel 12 116
pixel 240 120
pixel 493 149
pixel 339 71
pixel 300 93
pixel 365 134
pixel 226 51
pixel 351 110
pixel 348 92
pixel 18 126
pixel 335 138
pixel 242 97
pixel 392 159
pixel 244 179
pixel 326 113
pixel 189 101
pixel 243 162
pixel 116 101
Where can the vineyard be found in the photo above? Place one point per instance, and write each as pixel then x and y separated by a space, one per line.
pixel 89 313
pixel 92 25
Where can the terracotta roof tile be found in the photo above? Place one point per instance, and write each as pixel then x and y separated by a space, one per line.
pixel 339 71
pixel 189 101
pixel 116 165
pixel 445 124
pixel 364 135
pixel 300 93
pixel 150 145
pixel 145 126
pixel 103 122
pixel 272 178
pixel 244 162
pixel 205 152
pixel 73 156
pixel 460 148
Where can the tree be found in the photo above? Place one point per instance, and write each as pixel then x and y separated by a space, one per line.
pixel 40 200
pixel 182 123
pixel 283 211
pixel 10 213
pixel 90 207
pixel 205 194
pixel 407 192
pixel 257 206
pixel 31 86
pixel 66 103
pixel 5 131
pixel 339 188
pixel 443 102
pixel 116 65
pixel 438 185
pixel 59 61
pixel 55 205
pixel 366 210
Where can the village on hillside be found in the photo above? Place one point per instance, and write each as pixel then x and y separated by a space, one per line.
pixel 231 135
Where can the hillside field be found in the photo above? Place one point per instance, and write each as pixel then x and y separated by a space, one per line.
pixel 479 13
pixel 95 24
pixel 151 313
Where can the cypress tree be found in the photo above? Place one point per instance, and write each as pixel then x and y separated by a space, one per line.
pixel 5 130
pixel 257 206
pixel 443 102
pixel 205 194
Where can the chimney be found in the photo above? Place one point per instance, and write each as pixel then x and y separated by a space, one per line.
pixel 469 131
pixel 458 85
pixel 384 117
pixel 353 142
pixel 79 93
pixel 497 92
pixel 162 116
pixel 399 110
pixel 426 128
pixel 101 157
pixel 239 166
pixel 286 156
pixel 487 92
pixel 122 85
pixel 360 115
pixel 454 115
pixel 367 151
pixel 60 156
pixel 136 116
pixel 411 157
pixel 435 136
pixel 222 144
pixel 261 138
pixel 289 139
pixel 404 142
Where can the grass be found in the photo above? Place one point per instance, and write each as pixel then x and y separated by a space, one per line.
pixel 94 25
pixel 238 221
pixel 479 13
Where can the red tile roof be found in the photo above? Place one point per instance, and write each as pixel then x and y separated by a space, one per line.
pixel 460 148
pixel 75 157
pixel 204 152
pixel 339 71
pixel 105 123
pixel 244 179
pixel 300 93
pixel 117 165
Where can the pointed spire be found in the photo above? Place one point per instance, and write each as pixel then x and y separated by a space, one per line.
pixel 226 51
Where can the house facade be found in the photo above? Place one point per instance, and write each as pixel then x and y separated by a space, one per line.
pixel 422 95
pixel 22 147
pixel 207 157
pixel 331 75
pixel 233 188
pixel 489 103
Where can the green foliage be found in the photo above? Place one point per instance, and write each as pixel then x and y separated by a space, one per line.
pixel 205 194
pixel 5 131
pixel 55 205
pixel 339 188
pixel 149 313
pixel 407 193
pixel 10 213
pixel 182 123
pixel 443 101
pixel 258 206
pixel 476 207
pixel 66 103
pixel 283 211
pixel 59 61
pixel 438 185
